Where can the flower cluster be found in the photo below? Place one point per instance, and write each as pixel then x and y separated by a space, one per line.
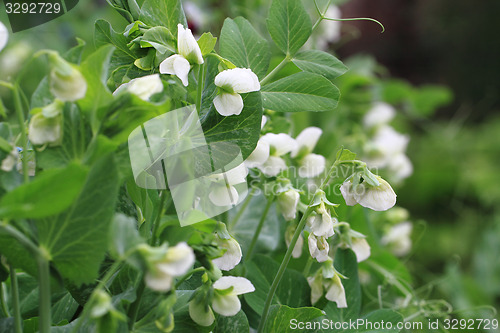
pixel 327 281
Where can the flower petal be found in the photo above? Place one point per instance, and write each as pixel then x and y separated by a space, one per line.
pixel 158 281
pixel 44 130
pixel 176 65
pixel 307 139
pixel 361 248
pixel 200 314
pixel 316 284
pixel 259 156
pixel 378 198
pixel 187 45
pixel 228 104
pixel 273 166
pixel 336 293
pixel 380 114
pixel 231 257
pixel 318 247
pixel 223 195
pixel 4 36
pixel 312 165
pixel 178 260
pixel 226 305
pixel 281 143
pixel 347 193
pixel 287 202
pixel 240 285
pixel 238 80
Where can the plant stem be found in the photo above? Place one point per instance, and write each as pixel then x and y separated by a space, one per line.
pixel 201 81
pixel 156 223
pixel 109 274
pixel 232 223
pixel 19 236
pixel 259 228
pixel 22 131
pixel 308 266
pixel 3 303
pixel 18 327
pixel 289 251
pixel 275 71
pixel 45 320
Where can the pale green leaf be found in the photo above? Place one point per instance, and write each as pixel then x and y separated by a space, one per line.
pixel 207 43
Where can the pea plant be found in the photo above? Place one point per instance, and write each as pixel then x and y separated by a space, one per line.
pixel 153 183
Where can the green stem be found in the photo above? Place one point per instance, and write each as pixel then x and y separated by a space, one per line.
pixel 22 131
pixel 19 236
pixel 18 328
pixel 275 71
pixel 259 228
pixel 188 274
pixel 3 303
pixel 308 266
pixel 289 252
pixel 161 209
pixel 109 274
pixel 233 222
pixel 201 81
pixel 45 320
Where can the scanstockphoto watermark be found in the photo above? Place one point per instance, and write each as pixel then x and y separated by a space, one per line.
pixel 358 324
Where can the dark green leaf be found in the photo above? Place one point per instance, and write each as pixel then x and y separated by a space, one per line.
pixel 282 318
pixel 237 323
pixel 167 13
pixel 300 92
pixel 160 38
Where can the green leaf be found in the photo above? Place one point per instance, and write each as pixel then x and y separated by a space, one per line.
pixel 281 318
pixel 289 25
pixel 243 46
pixel 385 315
pixel 160 38
pixel 207 43
pixel 293 289
pixel 77 240
pixel 167 13
pixel 48 194
pixel 319 62
pixel 236 323
pixel 300 92
pixel 242 130
pixel 124 236
pixel 345 155
pixel 104 35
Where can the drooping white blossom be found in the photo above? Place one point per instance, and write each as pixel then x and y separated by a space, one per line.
pixel 378 198
pixel 335 292
pixel 380 114
pixel 400 167
pixel 287 202
pixel 398 238
pixel 361 248
pixel 66 82
pixel 259 156
pixel 45 126
pixel 143 87
pixel 321 222
pixel 227 303
pixel 176 261
pixel 4 36
pixel 279 145
pixel 188 53
pixel 310 165
pixel 297 250
pixel 318 247
pixel 232 83
pixel 201 313
pixel 224 193
pixel 231 257
pixel 316 284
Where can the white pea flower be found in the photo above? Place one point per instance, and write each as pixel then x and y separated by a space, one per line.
pixel 321 222
pixel 279 145
pixel 201 313
pixel 143 87
pixel 189 53
pixel 318 247
pixel 398 238
pixel 226 302
pixel 361 248
pixel 400 167
pixel 316 284
pixel 336 292
pixel 297 250
pixel 232 83
pixel 176 261
pixel 287 202
pixel 386 144
pixel 310 165
pixel 4 36
pixel 231 257
pixel 46 125
pixel 263 122
pixel 378 198
pixel 380 114
pixel 10 161
pixel 259 156
pixel 224 193
pixel 66 82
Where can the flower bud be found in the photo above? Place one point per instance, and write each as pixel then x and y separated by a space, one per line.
pixel 66 82
pixel 287 202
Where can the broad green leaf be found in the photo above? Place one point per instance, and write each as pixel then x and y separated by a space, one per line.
pixel 242 130
pixel 289 25
pixel 95 70
pixel 300 92
pixel 285 319
pixel 347 265
pixel 319 62
pixel 160 38
pixel 124 235
pixel 241 44
pixel 293 289
pixel 167 13
pixel 48 194
pixel 64 308
pixel 207 43
pixel 385 315
pixel 104 35
pixel 77 239
pixel 237 323
pixel 345 155
pixel 244 229
pixel 16 254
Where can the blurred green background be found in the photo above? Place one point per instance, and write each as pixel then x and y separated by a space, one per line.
pixel 454 193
